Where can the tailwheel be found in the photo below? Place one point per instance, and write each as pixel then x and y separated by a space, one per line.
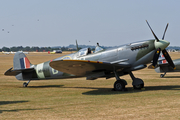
pixel 162 75
pixel 119 85
pixel 138 86
pixel 25 84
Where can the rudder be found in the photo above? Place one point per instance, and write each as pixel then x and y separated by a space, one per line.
pixel 20 61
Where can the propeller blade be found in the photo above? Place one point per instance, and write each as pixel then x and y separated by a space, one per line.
pixel 151 67
pixel 77 46
pixel 165 31
pixel 155 58
pixel 168 58
pixel 153 32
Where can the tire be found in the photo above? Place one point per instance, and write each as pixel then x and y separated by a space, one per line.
pixel 119 85
pixel 24 84
pixel 161 75
pixel 138 86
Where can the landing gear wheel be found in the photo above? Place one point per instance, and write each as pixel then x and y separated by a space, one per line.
pixel 25 84
pixel 119 85
pixel 138 86
pixel 162 75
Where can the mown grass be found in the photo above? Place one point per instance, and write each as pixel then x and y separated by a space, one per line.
pixel 82 99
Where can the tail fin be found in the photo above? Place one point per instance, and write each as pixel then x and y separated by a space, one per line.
pixel 20 61
pixel 20 64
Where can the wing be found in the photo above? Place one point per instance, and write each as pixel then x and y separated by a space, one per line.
pixel 86 67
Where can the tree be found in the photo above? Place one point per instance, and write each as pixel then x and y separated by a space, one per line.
pixel 14 49
pixel 27 48
pixel 6 49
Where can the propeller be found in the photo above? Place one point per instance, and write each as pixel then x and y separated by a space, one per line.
pixel 156 56
pixel 164 52
pixel 152 32
pixel 165 31
pixel 168 58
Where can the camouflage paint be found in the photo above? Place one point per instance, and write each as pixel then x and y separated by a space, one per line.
pixel 46 69
pixel 39 71
pixel 143 51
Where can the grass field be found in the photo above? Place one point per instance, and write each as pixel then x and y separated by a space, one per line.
pixel 82 99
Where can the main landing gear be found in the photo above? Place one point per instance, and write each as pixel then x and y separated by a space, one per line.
pixel 25 84
pixel 137 82
pixel 120 84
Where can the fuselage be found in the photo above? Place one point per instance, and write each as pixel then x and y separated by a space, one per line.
pixel 137 53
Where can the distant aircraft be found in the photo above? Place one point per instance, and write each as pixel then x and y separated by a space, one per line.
pixel 55 51
pixel 7 53
pixel 163 66
pixel 102 63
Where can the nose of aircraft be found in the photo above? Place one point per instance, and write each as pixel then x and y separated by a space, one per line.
pixel 161 44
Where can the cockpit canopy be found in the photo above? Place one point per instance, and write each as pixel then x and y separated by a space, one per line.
pixel 98 48
pixel 84 51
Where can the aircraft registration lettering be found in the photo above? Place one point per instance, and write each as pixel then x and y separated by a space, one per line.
pixel 54 71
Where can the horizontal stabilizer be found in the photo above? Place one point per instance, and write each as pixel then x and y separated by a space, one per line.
pixel 15 72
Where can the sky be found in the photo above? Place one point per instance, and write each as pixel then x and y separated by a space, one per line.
pixel 48 23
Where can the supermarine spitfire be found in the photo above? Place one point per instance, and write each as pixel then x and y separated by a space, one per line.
pixel 102 63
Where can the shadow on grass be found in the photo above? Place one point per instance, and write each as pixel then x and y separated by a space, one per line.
pixel 11 102
pixel 15 110
pixel 167 87
pixel 110 91
pixel 171 77
pixel 46 86
pixel 103 91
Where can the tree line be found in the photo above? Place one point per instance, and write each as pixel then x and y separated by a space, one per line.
pixel 33 49
pixel 71 47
